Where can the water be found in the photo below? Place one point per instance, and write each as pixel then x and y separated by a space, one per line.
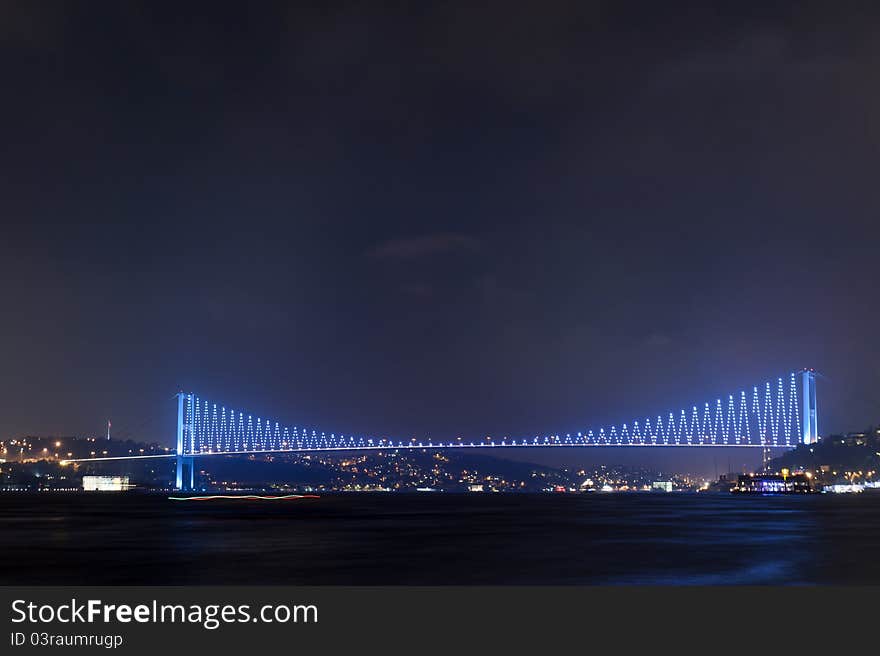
pixel 429 539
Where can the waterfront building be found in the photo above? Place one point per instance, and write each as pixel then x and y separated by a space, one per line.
pixel 775 484
pixel 105 483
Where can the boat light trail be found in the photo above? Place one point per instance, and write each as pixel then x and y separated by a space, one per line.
pixel 247 497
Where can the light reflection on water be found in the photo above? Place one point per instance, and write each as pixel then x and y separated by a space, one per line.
pixel 375 539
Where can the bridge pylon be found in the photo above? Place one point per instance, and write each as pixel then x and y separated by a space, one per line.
pixel 185 474
pixel 185 479
pixel 810 430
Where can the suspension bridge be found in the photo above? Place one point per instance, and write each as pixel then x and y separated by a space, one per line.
pixel 779 413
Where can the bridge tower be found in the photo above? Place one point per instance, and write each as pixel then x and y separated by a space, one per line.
pixel 185 479
pixel 810 434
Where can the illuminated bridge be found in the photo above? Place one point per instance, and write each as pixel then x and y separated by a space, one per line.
pixel 777 413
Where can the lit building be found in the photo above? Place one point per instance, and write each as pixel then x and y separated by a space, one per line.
pixel 775 484
pixel 840 488
pixel 663 486
pixel 105 483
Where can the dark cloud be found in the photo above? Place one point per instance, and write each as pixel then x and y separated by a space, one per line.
pixel 658 340
pixel 417 289
pixel 410 248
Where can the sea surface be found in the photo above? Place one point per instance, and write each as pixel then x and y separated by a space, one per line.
pixel 439 539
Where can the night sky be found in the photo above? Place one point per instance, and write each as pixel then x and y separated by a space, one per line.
pixel 434 221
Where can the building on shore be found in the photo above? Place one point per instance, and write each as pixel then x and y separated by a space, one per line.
pixel 105 483
pixel 775 484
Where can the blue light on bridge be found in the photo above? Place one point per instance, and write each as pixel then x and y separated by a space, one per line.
pixel 772 419
pixel 784 421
